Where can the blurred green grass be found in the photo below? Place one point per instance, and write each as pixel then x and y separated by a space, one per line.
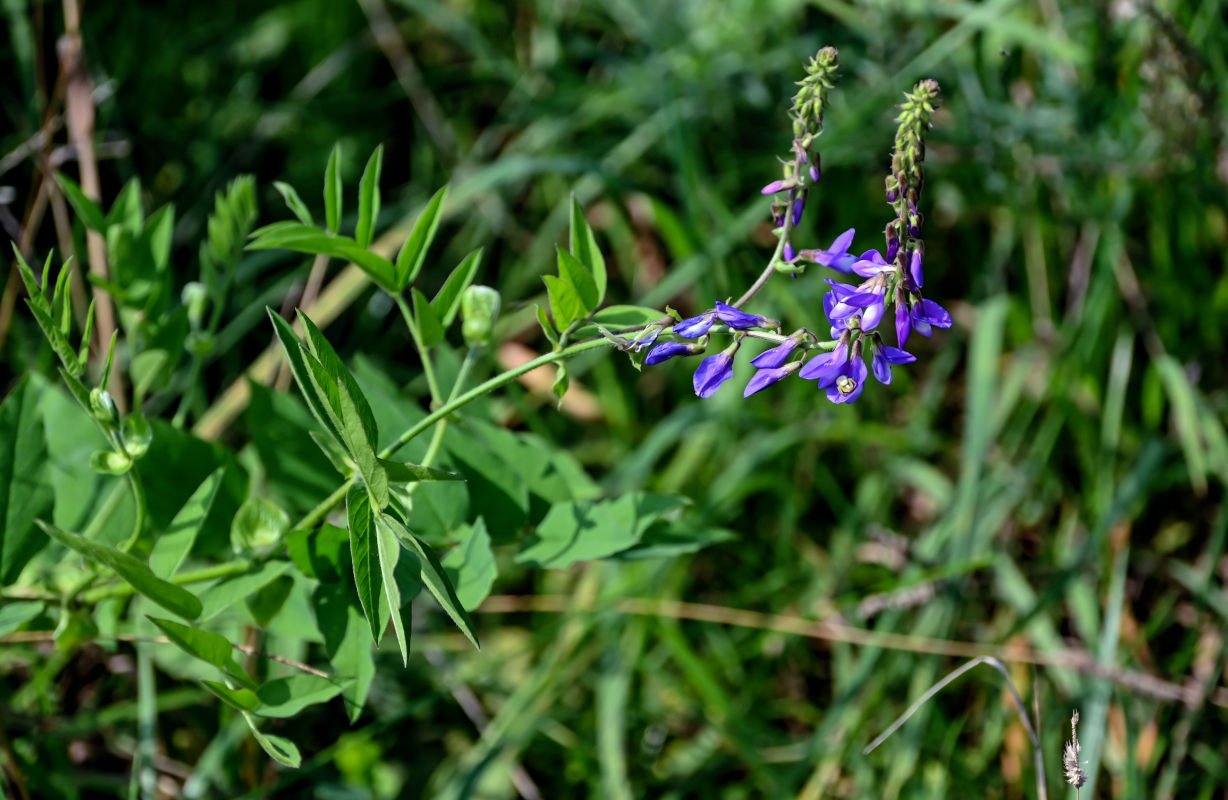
pixel 1051 473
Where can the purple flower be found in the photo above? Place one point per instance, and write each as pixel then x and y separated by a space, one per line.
pixel 766 377
pixel 837 256
pixel 714 371
pixel 775 187
pixel 884 357
pixel 871 263
pixel 927 315
pixel 799 205
pixel 777 356
pixel 694 327
pixel 849 382
pixel 646 338
pixel 665 351
pixel 844 301
pixel 739 320
pixel 827 367
pixel 789 252
pixel 914 269
pixel 903 323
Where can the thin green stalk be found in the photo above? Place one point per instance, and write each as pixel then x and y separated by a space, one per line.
pixel 770 269
pixel 182 579
pixel 428 369
pixel 436 443
pixel 138 496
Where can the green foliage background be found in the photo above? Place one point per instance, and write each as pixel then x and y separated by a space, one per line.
pixel 1049 475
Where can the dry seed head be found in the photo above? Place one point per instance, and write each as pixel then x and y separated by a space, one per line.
pixel 1075 775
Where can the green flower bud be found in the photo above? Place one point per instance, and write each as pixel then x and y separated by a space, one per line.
pixel 136 435
pixel 103 407
pixel 479 310
pixel 195 296
pixel 108 462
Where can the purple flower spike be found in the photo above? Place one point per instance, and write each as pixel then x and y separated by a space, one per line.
pixel 849 384
pixel 884 357
pixel 738 320
pixel 694 327
pixel 766 377
pixel 714 371
pixel 665 351
pixel 914 269
pixel 777 356
pixel 903 324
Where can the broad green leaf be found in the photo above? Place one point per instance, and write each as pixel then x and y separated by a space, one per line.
pixel 323 555
pixel 389 552
pixel 242 699
pixel 25 488
pixel 212 648
pixel 471 565
pixel 413 253
pixel 447 302
pixel 285 697
pixel 15 613
pixel 364 552
pixel 565 303
pixel 670 540
pixel 345 642
pixel 547 327
pixel 280 748
pixel 433 576
pixel 337 370
pixel 173 546
pixel 368 198
pixel 87 210
pixel 292 347
pixel 259 524
pixel 294 202
pixel 578 531
pixel 225 593
pixel 269 599
pixel 430 329
pixel 136 573
pixel 583 246
pixel 332 190
pixel 576 274
pixel 407 473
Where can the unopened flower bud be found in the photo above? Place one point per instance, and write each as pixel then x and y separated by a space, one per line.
pixel 102 405
pixel 479 310
pixel 195 296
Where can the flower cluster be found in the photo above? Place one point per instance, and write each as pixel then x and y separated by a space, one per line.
pixel 891 281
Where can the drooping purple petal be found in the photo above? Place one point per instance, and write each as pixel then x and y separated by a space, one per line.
pixel 712 372
pixel 881 368
pixel 873 313
pixel 931 312
pixel 736 318
pixel 895 355
pixel 915 270
pixel 826 368
pixel 765 378
pixel 694 327
pixel 776 357
pixel 903 324
pixel 665 351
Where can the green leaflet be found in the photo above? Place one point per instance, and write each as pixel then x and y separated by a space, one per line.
pixel 332 190
pixel 209 647
pixel 364 552
pixel 173 546
pixel 368 198
pixel 25 492
pixel 433 576
pixel 583 246
pixel 136 573
pixel 413 252
pixel 447 303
